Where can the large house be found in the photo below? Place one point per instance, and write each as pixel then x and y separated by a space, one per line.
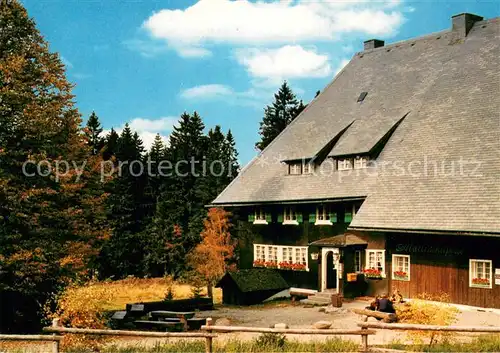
pixel 390 178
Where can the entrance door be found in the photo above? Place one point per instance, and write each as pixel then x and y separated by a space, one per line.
pixel 331 272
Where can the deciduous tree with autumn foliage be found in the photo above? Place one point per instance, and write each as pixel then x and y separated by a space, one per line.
pixel 51 224
pixel 216 253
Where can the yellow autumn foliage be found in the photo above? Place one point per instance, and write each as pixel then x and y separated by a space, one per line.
pixel 428 310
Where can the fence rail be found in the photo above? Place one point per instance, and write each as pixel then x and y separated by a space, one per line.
pixel 366 329
pixel 415 327
pixel 47 338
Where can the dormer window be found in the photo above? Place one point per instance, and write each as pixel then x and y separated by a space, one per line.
pixel 360 162
pixel 344 164
pixel 295 168
pixel 307 168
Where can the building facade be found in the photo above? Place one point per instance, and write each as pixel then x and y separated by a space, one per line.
pixel 390 178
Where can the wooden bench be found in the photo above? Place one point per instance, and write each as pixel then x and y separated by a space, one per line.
pixel 163 314
pixel 297 293
pixel 168 326
pixel 193 324
pixel 385 317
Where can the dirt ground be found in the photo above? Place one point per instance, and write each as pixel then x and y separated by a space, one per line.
pixel 301 316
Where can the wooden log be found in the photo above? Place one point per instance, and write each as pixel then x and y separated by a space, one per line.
pixel 387 317
pixel 30 338
pixel 286 331
pixel 416 327
pixel 127 333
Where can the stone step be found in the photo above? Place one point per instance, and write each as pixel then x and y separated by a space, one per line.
pixel 316 301
pixel 323 295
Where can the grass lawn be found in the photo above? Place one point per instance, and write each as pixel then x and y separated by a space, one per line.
pixel 114 295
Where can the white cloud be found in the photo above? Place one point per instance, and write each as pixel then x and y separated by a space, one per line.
pixel 207 91
pixel 290 61
pixel 259 23
pixel 148 128
pixel 342 64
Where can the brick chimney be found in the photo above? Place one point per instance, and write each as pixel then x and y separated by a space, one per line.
pixel 462 23
pixel 373 43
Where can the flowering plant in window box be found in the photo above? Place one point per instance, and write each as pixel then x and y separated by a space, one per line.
pixel 259 263
pixel 481 281
pixel 372 273
pixel 271 264
pixel 291 266
pixel 401 275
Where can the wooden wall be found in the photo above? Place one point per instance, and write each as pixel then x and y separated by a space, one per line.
pixel 436 274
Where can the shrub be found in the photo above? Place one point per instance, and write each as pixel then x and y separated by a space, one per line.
pixel 271 341
pixel 421 311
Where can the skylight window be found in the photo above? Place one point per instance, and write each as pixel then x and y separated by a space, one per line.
pixel 362 96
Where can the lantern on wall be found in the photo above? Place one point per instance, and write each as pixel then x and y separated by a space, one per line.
pixel 314 256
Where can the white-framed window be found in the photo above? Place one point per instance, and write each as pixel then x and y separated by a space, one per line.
pixel 260 216
pixel 480 273
pixel 344 164
pixel 306 168
pixel 290 216
pixel 295 168
pixel 281 256
pixel 375 259
pixel 360 162
pixel 400 267
pixel 357 261
pixel 322 215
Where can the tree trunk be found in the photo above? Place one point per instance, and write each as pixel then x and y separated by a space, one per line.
pixel 210 290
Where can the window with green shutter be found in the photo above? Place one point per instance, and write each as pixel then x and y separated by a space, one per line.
pixel 312 218
pixel 269 218
pixel 280 218
pixel 333 217
pixel 251 217
pixel 348 217
pixel 299 217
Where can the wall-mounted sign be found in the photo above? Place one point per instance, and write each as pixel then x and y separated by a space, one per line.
pixel 428 249
pixel 497 276
pixel 352 277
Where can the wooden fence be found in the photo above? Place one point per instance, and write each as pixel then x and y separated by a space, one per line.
pixel 47 338
pixel 365 330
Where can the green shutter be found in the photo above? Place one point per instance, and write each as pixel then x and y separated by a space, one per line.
pixel 280 218
pixel 299 217
pixel 312 218
pixel 347 217
pixel 269 218
pixel 251 217
pixel 333 217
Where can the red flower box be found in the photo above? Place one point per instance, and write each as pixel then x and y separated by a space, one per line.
pixel 291 266
pixel 372 273
pixel 402 275
pixel 259 263
pixel 481 281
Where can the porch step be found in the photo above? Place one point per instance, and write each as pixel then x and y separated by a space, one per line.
pixel 317 300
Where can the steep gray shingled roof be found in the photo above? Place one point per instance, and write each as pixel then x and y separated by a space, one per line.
pixel 451 87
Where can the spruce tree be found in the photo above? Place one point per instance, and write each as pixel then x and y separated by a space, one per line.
pixel 110 144
pixel 123 255
pixel 93 132
pixel 50 225
pixel 277 116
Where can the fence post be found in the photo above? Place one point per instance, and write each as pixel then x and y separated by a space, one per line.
pixel 55 344
pixel 208 340
pixel 364 340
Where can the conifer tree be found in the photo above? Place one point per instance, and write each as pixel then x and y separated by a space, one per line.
pixel 277 116
pixel 50 225
pixel 110 143
pixel 93 132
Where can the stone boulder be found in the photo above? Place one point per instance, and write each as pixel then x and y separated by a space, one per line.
pixel 322 325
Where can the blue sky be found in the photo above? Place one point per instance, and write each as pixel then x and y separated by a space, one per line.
pixel 146 62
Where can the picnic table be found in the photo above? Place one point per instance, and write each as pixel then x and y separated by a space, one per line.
pixel 182 316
